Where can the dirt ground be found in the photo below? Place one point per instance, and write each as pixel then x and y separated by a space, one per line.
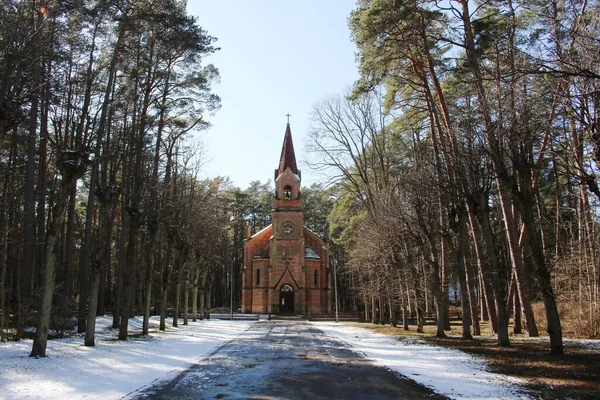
pixel 574 375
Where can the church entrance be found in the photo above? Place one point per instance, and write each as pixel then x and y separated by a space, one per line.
pixel 286 299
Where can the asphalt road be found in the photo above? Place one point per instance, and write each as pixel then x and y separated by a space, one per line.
pixel 287 360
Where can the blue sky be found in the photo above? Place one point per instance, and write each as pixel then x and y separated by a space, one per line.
pixel 276 57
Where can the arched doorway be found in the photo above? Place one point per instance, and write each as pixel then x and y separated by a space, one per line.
pixel 286 299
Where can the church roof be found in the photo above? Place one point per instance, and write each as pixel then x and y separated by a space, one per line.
pixel 265 252
pixel 261 232
pixel 310 253
pixel 288 157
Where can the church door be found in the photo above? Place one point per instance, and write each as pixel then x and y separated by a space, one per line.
pixel 286 299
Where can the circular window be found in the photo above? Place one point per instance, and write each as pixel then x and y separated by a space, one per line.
pixel 287 227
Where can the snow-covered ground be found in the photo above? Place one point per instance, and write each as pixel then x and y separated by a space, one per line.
pixel 589 343
pixel 112 369
pixel 449 372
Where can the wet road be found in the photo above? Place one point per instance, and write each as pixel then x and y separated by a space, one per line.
pixel 287 360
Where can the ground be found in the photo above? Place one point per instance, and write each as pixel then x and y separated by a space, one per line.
pixel 283 359
pixel 575 375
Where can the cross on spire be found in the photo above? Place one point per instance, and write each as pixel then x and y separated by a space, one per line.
pixel 288 115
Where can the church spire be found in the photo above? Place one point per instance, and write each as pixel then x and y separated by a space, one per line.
pixel 288 157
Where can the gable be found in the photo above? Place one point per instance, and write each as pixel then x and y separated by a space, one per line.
pixel 293 280
pixel 257 242
pixel 313 241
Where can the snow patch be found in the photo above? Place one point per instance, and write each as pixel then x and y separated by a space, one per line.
pixel 112 369
pixel 449 372
pixel 589 343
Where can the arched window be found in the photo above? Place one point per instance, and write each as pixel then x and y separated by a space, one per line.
pixel 287 193
pixel 316 278
pixel 257 277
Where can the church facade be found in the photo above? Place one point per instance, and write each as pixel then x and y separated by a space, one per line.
pixel 286 266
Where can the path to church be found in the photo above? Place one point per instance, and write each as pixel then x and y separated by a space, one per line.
pixel 287 360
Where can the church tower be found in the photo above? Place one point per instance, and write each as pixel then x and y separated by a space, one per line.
pixel 285 264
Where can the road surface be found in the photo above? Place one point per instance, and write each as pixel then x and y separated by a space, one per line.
pixel 287 360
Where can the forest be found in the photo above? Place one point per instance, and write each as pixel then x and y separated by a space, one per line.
pixel 463 169
pixel 467 158
pixel 101 208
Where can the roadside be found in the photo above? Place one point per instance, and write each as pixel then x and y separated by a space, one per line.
pixel 446 371
pixel 112 369
pixel 575 375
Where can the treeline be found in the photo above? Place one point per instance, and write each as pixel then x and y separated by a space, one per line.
pixel 100 204
pixel 469 152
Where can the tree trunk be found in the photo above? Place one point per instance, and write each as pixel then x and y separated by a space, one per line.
pixel 195 293
pixel 500 167
pixel 59 213
pixel 118 292
pixel 104 278
pixel 134 207
pixel 90 327
pixel 462 278
pixel 152 212
pixel 186 296
pixel 129 273
pixel 373 310
pixel 150 251
pixel 163 308
pixel 554 325
pixel 392 311
pixel 12 243
pixel 202 292
pixel 518 267
pixel 404 317
pixel 99 265
pixel 177 298
pixel 42 178
pixel 70 242
pixel 28 233
pixel 201 307
pixel 491 269
pixel 517 324
pixel 84 256
pixel 437 290
pixel 3 242
pixel 470 276
pixel 165 281
pixel 445 285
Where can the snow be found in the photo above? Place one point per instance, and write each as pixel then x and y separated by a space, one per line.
pixel 116 369
pixel 589 343
pixel 112 369
pixel 449 372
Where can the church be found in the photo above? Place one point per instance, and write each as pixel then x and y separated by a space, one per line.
pixel 286 266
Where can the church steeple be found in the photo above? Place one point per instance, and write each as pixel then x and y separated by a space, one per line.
pixel 288 157
pixel 286 267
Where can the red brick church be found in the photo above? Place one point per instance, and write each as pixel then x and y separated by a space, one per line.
pixel 285 264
